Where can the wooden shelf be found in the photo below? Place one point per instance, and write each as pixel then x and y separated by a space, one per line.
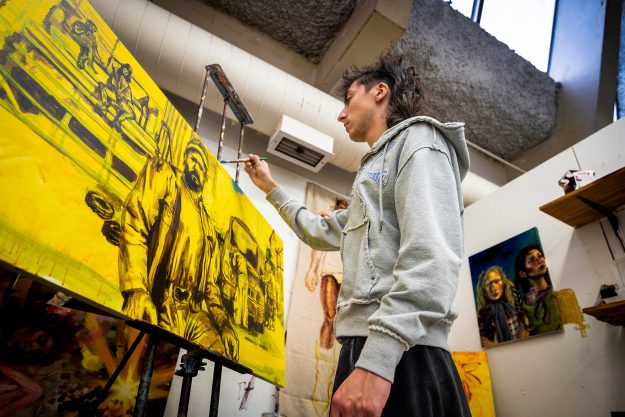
pixel 612 313
pixel 607 191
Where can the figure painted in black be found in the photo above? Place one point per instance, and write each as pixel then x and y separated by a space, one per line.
pixel 116 94
pixel 84 35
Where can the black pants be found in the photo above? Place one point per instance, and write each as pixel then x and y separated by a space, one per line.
pixel 426 382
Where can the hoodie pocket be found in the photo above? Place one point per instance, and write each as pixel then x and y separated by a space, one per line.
pixel 358 268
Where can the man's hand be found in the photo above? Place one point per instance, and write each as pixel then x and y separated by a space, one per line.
pixel 362 394
pixel 259 174
pixel 139 306
pixel 231 343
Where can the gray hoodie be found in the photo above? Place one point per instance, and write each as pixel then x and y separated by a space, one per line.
pixel 400 239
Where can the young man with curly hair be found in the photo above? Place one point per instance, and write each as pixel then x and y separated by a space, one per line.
pixel 401 243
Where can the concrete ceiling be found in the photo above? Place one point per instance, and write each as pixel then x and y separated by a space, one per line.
pixel 306 27
pixel 507 104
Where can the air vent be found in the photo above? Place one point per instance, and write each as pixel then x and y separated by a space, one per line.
pixel 297 151
pixel 301 144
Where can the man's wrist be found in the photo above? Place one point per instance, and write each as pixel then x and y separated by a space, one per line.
pixel 269 187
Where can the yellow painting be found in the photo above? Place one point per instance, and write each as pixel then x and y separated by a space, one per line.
pixel 475 377
pixel 108 193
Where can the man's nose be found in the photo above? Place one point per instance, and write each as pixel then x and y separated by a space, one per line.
pixel 342 115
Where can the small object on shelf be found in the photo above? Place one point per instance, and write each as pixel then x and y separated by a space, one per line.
pixel 574 179
pixel 572 208
pixel 607 291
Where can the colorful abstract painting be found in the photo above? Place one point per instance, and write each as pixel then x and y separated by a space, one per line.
pixel 109 195
pixel 475 377
pixel 55 361
pixel 311 348
pixel 514 296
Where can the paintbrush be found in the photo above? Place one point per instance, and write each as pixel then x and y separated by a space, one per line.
pixel 243 160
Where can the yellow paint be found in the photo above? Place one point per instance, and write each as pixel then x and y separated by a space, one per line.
pixel 81 123
pixel 570 311
pixel 475 377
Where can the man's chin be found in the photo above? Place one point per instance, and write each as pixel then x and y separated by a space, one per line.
pixel 356 138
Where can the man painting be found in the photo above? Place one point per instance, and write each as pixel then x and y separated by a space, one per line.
pixel 401 243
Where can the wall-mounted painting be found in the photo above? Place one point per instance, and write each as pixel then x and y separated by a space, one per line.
pixel 108 194
pixel 514 296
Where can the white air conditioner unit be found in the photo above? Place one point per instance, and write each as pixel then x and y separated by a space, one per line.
pixel 301 144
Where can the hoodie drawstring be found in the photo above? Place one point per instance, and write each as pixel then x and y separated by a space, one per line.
pixel 380 187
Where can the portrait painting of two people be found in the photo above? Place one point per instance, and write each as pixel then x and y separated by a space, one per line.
pixel 514 295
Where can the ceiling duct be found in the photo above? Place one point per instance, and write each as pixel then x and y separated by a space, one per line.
pixel 300 144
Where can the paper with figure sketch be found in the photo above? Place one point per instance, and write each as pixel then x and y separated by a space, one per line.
pixel 311 348
pixel 111 196
pixel 514 296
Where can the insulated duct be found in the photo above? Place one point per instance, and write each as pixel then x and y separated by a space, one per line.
pixel 174 52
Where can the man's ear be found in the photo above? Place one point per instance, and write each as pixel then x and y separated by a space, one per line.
pixel 522 274
pixel 382 91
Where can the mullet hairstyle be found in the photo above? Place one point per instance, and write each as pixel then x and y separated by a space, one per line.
pixel 403 81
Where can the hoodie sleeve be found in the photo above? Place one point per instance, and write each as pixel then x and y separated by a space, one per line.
pixel 316 231
pixel 425 275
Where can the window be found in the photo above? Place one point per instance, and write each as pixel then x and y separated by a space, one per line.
pixel 463 6
pixel 524 25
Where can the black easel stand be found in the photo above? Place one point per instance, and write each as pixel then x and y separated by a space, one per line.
pixel 146 377
pixel 214 407
pixel 192 363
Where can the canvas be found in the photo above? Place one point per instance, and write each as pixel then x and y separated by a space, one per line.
pixel 311 348
pixel 514 295
pixel 475 377
pixel 54 362
pixel 110 195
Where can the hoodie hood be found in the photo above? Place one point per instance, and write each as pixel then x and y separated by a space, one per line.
pixel 452 131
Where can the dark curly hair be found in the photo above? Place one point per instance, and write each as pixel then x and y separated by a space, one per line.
pixel 403 81
pixel 519 266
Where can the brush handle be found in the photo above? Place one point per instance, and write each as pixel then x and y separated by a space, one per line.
pixel 243 160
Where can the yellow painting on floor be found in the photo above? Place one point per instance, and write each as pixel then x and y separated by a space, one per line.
pixel 108 193
pixel 475 376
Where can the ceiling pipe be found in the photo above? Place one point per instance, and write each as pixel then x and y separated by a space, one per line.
pixel 175 52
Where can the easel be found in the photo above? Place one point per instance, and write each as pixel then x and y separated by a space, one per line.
pixel 231 99
pixel 192 363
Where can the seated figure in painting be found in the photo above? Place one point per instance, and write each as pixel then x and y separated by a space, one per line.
pixel 117 94
pixel 499 316
pixel 168 254
pixel 539 300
